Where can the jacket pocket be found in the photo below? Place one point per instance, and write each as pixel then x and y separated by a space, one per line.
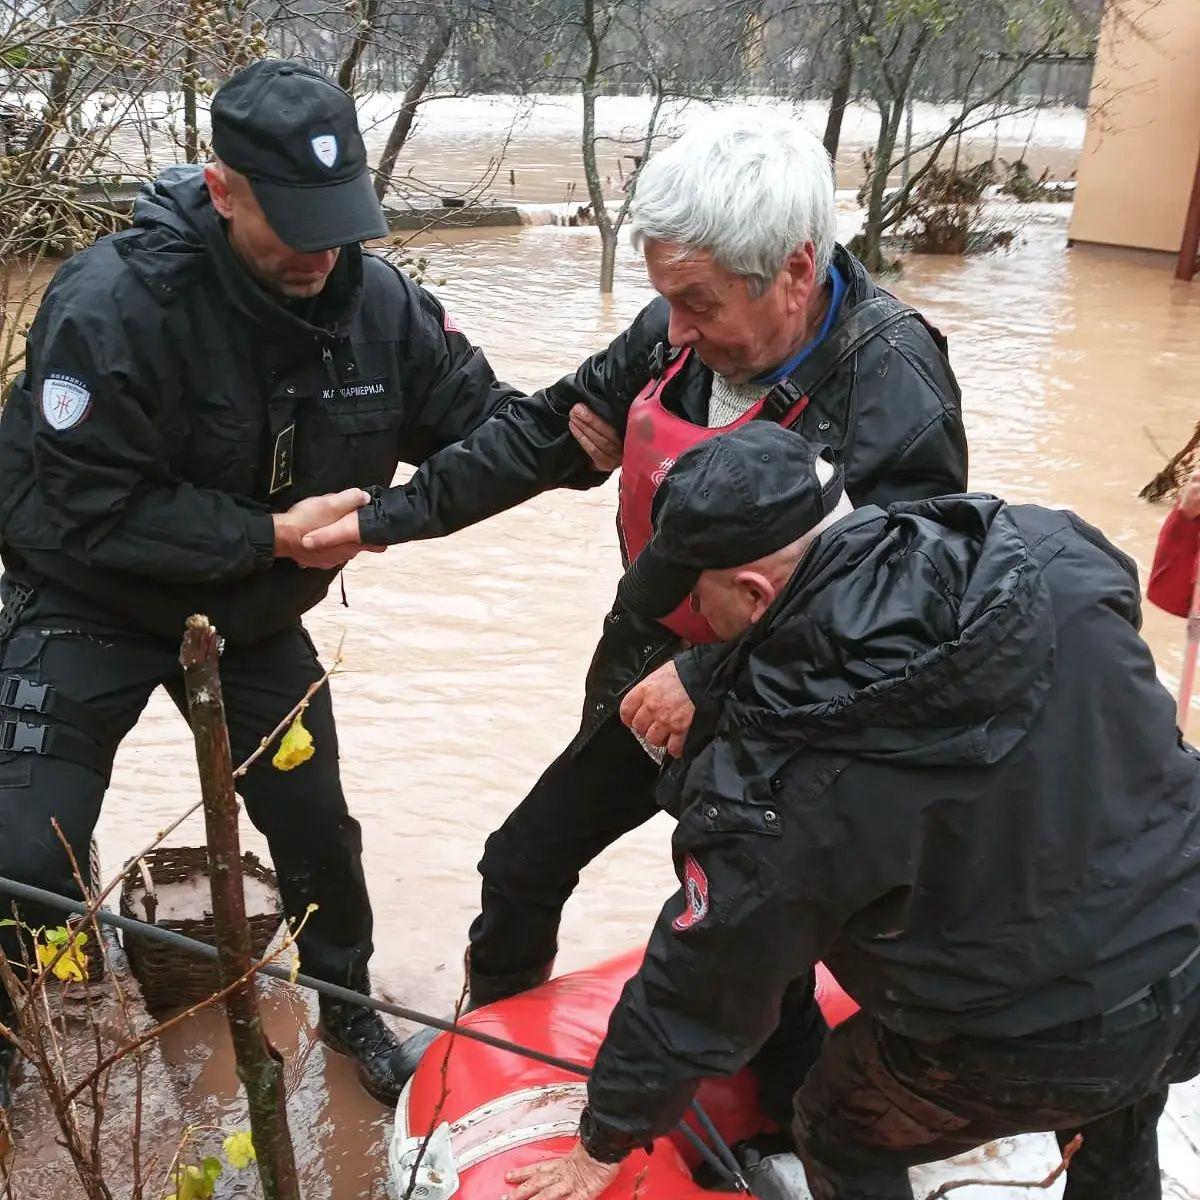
pixel 353 418
pixel 223 451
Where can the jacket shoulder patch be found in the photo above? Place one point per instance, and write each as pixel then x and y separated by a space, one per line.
pixel 65 401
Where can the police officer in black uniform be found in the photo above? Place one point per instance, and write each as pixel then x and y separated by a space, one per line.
pixel 934 754
pixel 199 391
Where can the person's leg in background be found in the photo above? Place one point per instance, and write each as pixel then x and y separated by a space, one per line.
pixel 585 801
pixel 1118 1155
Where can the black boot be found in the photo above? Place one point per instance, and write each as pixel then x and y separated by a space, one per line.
pixel 8 1062
pixel 484 990
pixel 385 1064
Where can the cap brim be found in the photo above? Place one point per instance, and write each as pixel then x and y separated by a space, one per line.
pixel 321 218
pixel 654 586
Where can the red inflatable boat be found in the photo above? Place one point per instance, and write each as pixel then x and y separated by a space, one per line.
pixel 500 1111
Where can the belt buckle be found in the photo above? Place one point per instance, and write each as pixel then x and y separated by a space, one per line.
pixel 25 694
pixel 22 737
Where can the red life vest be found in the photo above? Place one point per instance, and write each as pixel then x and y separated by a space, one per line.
pixel 654 439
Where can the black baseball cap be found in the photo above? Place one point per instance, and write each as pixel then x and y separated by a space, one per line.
pixel 729 501
pixel 294 135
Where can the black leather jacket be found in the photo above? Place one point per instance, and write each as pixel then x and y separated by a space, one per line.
pixel 881 394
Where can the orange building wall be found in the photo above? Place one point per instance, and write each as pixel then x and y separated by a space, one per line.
pixel 1143 136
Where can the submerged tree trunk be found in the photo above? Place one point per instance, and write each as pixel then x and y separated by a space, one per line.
pixel 608 259
pixel 402 127
pixel 871 251
pixel 840 97
pixel 591 171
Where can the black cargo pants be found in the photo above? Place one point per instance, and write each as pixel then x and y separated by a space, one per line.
pixel 877 1103
pixel 73 684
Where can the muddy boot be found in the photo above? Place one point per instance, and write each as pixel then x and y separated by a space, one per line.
pixel 385 1064
pixel 484 990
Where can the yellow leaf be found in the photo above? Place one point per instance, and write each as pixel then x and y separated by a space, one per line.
pixel 295 748
pixel 239 1149
pixel 72 967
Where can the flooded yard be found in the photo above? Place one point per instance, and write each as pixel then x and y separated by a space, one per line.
pixel 464 659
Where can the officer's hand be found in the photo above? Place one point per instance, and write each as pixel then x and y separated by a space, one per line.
pixel 600 441
pixel 1189 499
pixel 578 1176
pixel 319 512
pixel 338 537
pixel 660 710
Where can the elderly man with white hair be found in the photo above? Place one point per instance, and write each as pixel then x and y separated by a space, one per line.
pixel 761 315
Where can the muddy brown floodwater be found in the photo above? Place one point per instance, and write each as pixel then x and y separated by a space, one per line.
pixel 464 658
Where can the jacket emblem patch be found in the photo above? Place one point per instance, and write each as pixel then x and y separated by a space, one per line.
pixel 695 896
pixel 65 401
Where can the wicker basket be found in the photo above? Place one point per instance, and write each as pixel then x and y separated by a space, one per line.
pixel 173 978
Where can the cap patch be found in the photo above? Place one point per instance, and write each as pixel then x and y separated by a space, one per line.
pixel 65 401
pixel 325 147
pixel 695 896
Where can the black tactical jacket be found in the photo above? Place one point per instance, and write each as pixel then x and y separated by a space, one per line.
pixel 964 791
pixel 882 395
pixel 138 451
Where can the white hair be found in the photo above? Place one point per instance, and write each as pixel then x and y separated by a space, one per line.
pixel 747 185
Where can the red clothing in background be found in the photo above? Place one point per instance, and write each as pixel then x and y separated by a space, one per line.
pixel 1173 575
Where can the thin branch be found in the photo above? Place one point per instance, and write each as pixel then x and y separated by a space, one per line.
pixel 1068 1153
pixel 435 1119
pixel 297 709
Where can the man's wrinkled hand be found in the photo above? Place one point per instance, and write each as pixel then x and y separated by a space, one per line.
pixel 659 710
pixel 577 1176
pixel 336 536
pixel 320 512
pixel 600 441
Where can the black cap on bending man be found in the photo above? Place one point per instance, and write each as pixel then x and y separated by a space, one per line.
pixel 294 135
pixel 732 500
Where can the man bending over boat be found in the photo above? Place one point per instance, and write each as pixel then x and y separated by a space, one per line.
pixel 935 755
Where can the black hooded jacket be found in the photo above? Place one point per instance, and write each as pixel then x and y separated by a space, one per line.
pixel 943 764
pixel 157 503
pixel 881 395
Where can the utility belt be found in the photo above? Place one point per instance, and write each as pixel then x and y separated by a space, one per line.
pixel 1146 1005
pixel 71 730
pixel 59 737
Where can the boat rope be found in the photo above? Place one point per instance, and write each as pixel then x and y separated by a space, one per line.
pixel 723 1161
